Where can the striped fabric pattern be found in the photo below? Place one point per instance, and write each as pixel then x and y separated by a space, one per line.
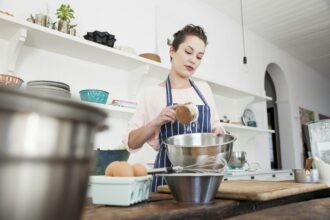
pixel 202 125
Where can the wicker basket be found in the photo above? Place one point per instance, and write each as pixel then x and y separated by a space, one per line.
pixel 10 81
pixel 151 56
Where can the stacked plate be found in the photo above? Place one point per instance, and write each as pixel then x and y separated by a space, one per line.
pixel 49 88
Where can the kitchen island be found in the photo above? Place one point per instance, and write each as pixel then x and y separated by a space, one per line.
pixel 163 206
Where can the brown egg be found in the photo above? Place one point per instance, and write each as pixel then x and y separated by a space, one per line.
pixel 186 113
pixel 139 170
pixel 110 168
pixel 123 169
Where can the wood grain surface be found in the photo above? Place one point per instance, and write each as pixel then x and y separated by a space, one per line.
pixel 163 206
pixel 313 209
pixel 257 190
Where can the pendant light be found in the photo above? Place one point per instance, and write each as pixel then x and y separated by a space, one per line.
pixel 243 36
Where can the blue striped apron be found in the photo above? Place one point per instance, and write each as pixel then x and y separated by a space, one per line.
pixel 202 125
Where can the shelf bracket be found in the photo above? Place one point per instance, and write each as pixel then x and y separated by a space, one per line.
pixel 136 77
pixel 14 49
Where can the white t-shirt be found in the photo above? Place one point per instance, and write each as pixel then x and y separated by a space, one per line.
pixel 153 101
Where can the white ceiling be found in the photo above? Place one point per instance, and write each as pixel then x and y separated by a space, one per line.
pixel 300 27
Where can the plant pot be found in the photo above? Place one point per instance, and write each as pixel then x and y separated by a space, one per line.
pixel 41 19
pixel 72 31
pixel 63 26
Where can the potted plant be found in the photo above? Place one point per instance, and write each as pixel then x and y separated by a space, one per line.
pixel 64 13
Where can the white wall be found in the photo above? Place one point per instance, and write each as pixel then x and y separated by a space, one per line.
pixel 145 25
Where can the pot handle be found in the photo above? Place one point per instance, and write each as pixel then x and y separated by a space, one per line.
pixel 164 170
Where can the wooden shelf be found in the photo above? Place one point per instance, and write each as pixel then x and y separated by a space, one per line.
pixel 234 127
pixel 113 108
pixel 234 93
pixel 54 41
pixel 128 112
pixel 40 37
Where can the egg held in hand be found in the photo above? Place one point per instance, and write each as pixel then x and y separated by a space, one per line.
pixel 139 170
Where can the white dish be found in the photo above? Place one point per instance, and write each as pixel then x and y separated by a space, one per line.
pixel 48 84
pixel 248 116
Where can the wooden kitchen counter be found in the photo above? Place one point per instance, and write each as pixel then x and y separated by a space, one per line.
pixel 313 209
pixel 163 206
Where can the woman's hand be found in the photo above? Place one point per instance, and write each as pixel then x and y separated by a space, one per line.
pixel 166 115
pixel 218 131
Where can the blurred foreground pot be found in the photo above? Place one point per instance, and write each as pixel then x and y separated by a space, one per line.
pixel 45 154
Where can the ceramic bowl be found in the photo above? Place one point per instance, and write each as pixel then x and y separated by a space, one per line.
pixel 94 95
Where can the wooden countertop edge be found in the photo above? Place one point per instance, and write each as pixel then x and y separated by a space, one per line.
pixel 264 196
pixel 167 208
pixel 305 210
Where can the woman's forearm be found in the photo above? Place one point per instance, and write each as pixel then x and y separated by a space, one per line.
pixel 138 137
pixel 141 135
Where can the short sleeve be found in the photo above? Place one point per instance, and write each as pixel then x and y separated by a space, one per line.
pixel 141 117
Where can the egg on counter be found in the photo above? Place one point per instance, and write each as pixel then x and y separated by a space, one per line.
pixel 123 169
pixel 111 167
pixel 139 170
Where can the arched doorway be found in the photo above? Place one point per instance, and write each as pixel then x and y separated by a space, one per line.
pixel 284 155
pixel 272 116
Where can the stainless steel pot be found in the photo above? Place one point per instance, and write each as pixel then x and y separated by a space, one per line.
pixel 237 160
pixel 199 150
pixel 303 176
pixel 194 188
pixel 45 155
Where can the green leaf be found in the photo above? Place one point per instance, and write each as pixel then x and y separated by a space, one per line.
pixel 65 12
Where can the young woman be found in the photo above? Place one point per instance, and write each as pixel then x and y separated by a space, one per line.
pixel 155 118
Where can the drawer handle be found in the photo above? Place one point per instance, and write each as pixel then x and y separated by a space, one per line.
pixel 273 175
pixel 252 177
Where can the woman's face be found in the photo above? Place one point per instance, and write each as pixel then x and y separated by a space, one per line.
pixel 188 56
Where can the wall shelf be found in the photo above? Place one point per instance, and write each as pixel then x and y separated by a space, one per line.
pixel 234 93
pixel 54 41
pixel 235 127
pixel 112 109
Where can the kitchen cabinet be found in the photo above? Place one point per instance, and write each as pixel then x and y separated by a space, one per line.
pixel 19 33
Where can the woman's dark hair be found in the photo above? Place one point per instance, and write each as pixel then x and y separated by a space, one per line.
pixel 188 30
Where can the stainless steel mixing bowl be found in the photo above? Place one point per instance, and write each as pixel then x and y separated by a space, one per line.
pixel 194 188
pixel 200 150
pixel 46 147
pixel 237 160
pixel 303 176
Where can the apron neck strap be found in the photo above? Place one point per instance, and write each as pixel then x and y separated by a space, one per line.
pixel 169 98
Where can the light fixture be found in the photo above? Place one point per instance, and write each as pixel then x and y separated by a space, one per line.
pixel 243 36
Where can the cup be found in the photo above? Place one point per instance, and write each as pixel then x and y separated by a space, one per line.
pixel 237 160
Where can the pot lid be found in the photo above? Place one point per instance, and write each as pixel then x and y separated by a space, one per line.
pixel 26 102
